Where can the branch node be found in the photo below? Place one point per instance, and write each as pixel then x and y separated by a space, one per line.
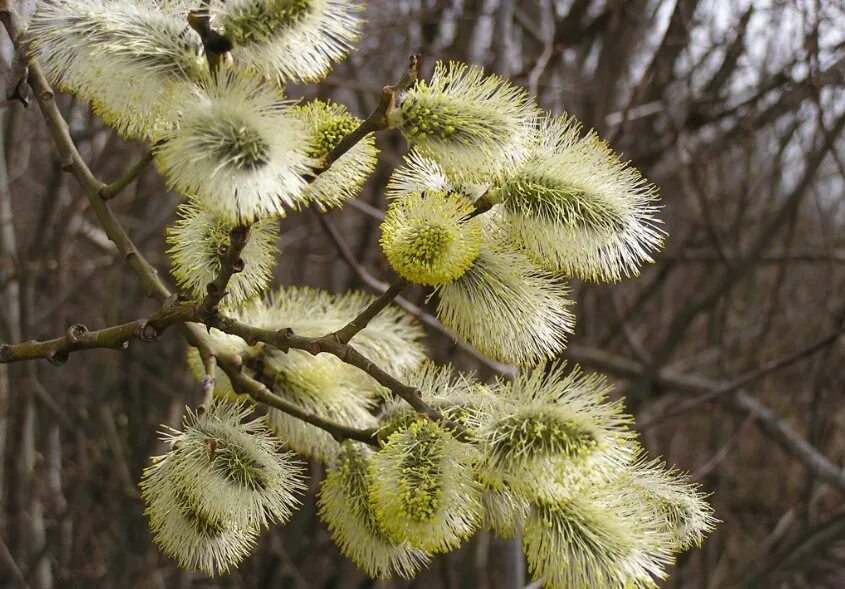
pixel 314 348
pixel 4 352
pixel 146 332
pixel 75 332
pixel 238 235
pixel 58 358
pixel 285 333
pixel 238 266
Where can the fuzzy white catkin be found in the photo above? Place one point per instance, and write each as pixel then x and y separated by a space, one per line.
pixel 472 124
pixel 124 58
pixel 293 41
pixel 506 306
pixel 345 507
pixel 577 209
pixel 239 148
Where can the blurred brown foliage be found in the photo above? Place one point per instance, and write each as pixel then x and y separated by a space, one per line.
pixel 726 348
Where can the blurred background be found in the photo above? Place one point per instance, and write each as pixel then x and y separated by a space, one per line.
pixel 726 349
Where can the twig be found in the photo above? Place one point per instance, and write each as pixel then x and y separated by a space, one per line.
pixel 347 332
pixel 231 264
pixel 243 383
pixel 377 121
pixel 77 337
pixel 232 365
pixel 285 339
pixel 113 189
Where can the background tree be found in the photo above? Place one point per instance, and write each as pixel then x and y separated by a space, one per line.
pixel 687 90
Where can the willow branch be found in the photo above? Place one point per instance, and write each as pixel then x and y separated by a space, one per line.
pixel 347 332
pixel 285 339
pixel 117 337
pixel 231 264
pixel 243 384
pixel 378 119
pixel 72 162
pixel 113 189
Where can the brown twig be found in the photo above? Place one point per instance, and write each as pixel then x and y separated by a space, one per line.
pixel 117 337
pixel 113 189
pixel 285 339
pixel 245 384
pixel 230 264
pixel 378 119
pixel 348 331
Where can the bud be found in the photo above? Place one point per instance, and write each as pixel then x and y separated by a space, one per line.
pixel 344 506
pixel 602 538
pixel 233 469
pixel 553 434
pixel 328 123
pixel 184 531
pixel 676 502
pixel 507 307
pixel 472 124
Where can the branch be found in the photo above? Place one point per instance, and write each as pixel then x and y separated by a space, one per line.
pixel 231 264
pixel 790 440
pixel 347 332
pixel 113 189
pixel 244 384
pixel 232 364
pixel 77 337
pixel 377 121
pixel 285 339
